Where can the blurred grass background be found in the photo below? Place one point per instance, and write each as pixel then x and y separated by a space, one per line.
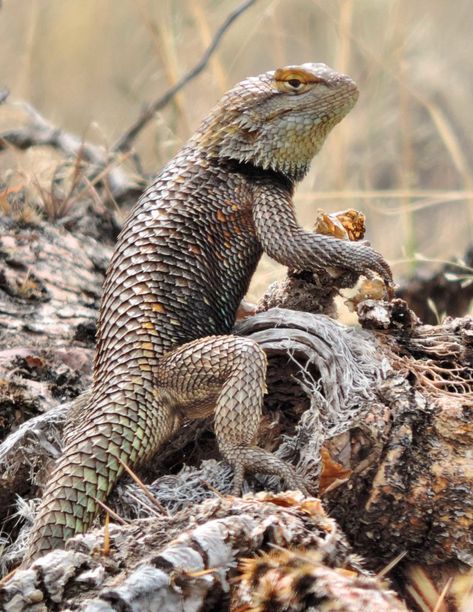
pixel 404 156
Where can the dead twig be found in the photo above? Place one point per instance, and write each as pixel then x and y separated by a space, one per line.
pixel 126 139
pixel 111 513
pixel 443 595
pixel 143 488
pixel 40 132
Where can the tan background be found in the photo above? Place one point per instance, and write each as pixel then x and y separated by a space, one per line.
pixel 404 156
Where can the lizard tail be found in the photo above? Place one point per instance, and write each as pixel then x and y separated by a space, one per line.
pixel 128 431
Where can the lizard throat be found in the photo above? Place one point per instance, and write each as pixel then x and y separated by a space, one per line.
pixel 256 160
pixel 288 152
pixel 256 173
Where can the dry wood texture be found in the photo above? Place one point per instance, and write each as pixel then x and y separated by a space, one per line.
pixel 379 420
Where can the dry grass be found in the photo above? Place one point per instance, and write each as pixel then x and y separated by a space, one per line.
pixel 16 203
pixel 404 156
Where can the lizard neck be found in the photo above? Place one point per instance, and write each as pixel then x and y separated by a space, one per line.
pixel 255 173
pixel 241 151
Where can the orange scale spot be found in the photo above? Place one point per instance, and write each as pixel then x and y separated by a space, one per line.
pixel 157 307
pixel 231 204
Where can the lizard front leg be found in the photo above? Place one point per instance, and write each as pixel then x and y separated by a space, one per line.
pixel 286 242
pixel 230 373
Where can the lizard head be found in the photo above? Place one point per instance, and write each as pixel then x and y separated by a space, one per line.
pixel 279 119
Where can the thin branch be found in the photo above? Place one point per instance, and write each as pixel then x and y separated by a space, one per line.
pixel 113 514
pixel 143 487
pixel 40 132
pixel 126 139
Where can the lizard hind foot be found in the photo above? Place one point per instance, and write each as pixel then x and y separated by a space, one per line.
pixel 257 460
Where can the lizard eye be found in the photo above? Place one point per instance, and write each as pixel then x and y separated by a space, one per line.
pixel 294 79
pixel 294 83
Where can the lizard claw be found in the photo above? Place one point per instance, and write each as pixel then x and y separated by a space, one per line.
pixel 375 261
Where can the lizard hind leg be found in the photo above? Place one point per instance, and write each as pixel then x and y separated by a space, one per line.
pixel 231 371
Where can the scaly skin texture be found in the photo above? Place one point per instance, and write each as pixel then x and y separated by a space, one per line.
pixel 182 264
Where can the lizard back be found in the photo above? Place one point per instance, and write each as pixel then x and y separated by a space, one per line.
pixel 183 261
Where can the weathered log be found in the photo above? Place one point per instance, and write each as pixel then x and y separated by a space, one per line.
pixel 378 419
pixel 50 286
pixel 189 562
pixel 445 291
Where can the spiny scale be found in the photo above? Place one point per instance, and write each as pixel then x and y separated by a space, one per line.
pixel 181 266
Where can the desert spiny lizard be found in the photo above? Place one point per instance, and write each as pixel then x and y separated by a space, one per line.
pixel 181 266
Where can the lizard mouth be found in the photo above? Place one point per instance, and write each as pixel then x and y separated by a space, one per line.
pixel 341 107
